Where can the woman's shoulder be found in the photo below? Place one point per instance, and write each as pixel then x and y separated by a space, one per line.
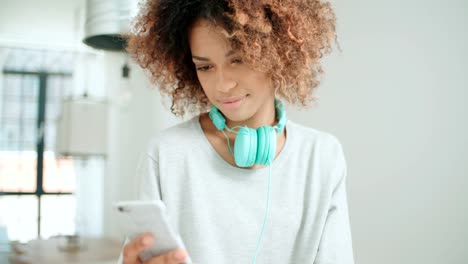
pixel 321 145
pixel 310 135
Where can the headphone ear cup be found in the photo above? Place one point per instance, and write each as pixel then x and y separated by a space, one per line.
pixel 245 147
pixel 272 146
pixel 266 149
pixel 218 120
pixel 261 146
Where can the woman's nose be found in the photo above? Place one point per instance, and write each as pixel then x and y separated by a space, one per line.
pixel 226 82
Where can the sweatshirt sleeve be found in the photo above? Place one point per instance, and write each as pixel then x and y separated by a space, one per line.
pixel 148 183
pixel 336 244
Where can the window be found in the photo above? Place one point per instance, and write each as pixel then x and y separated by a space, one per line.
pixel 36 186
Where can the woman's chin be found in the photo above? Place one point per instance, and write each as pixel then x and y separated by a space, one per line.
pixel 237 116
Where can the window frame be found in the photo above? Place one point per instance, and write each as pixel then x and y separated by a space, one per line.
pixel 40 134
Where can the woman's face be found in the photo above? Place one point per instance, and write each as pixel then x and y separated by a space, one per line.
pixel 239 92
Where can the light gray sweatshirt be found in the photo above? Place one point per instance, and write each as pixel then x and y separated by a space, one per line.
pixel 219 209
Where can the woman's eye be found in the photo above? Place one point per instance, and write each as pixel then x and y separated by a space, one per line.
pixel 204 68
pixel 237 60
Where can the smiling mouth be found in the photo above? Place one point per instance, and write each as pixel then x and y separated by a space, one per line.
pixel 233 103
pixel 232 99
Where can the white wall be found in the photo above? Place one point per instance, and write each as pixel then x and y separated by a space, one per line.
pixel 394 98
pixel 46 23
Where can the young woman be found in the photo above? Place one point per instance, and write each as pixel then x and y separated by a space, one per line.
pixel 242 183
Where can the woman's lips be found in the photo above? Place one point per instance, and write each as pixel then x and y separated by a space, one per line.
pixel 232 103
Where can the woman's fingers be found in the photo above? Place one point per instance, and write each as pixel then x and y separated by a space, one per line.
pixel 176 256
pixel 135 247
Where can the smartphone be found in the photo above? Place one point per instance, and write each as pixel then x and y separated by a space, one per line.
pixel 138 217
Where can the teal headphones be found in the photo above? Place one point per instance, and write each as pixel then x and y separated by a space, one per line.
pixel 252 146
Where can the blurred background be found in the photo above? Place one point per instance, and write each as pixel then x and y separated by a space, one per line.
pixel 76 114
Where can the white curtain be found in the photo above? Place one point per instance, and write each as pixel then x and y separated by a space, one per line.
pixel 89 196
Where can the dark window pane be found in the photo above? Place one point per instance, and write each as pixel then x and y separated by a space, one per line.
pixel 30 86
pixel 12 85
pixel 12 108
pixel 9 133
pixel 29 135
pixel 29 109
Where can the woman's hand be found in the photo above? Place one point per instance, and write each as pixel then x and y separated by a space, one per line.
pixel 137 245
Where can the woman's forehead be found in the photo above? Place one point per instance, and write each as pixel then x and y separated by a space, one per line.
pixel 204 26
pixel 204 33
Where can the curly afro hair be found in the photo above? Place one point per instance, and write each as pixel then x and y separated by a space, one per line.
pixel 286 39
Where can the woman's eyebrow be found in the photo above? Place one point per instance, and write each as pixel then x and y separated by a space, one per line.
pixel 200 58
pixel 229 53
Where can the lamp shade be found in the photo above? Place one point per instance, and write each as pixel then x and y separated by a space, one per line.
pixel 82 128
pixel 106 21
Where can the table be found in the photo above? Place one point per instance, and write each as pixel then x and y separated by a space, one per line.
pixel 96 251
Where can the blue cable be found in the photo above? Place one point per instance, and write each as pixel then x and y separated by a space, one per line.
pixel 268 198
pixel 265 218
